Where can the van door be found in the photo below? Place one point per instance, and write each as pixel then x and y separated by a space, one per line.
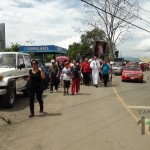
pixel 21 73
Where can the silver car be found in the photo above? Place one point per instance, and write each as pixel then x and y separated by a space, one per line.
pixel 117 68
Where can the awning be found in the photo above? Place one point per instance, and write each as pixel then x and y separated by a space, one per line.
pixel 52 49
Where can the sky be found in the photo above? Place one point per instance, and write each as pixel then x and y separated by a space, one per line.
pixel 53 22
pixel 137 43
pixel 41 22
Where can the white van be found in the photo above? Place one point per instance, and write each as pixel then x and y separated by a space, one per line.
pixel 14 71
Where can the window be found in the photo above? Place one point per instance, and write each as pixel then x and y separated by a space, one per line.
pixel 7 61
pixel 20 60
pixel 27 61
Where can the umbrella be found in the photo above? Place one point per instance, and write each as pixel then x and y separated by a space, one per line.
pixel 62 58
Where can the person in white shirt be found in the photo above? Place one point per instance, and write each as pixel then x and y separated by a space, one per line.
pixel 66 73
pixel 95 65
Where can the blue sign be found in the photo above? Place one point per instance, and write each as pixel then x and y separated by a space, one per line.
pixel 43 49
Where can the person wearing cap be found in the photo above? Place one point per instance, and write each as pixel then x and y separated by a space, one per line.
pixel 54 75
pixel 66 73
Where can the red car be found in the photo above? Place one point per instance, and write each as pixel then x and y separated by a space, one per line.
pixel 132 73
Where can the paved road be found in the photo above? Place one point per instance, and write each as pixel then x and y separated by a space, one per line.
pixel 135 97
pixel 97 118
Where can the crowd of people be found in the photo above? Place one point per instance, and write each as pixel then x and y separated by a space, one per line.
pixel 70 74
pixel 144 66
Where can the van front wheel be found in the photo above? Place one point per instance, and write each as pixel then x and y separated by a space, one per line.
pixel 7 100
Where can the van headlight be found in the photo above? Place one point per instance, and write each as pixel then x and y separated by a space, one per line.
pixel 1 77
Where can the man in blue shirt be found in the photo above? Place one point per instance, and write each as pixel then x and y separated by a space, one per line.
pixel 105 72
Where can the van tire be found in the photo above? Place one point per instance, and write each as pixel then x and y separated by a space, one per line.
pixel 7 100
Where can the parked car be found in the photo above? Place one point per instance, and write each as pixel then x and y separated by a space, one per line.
pixel 117 68
pixel 14 70
pixel 132 73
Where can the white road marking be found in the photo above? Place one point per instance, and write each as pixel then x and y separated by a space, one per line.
pixel 142 107
pixel 130 111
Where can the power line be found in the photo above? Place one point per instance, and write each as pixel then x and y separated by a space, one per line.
pixel 137 6
pixel 140 8
pixel 132 13
pixel 114 16
pixel 129 12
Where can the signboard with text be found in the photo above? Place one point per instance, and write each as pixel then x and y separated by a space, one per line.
pixel 43 49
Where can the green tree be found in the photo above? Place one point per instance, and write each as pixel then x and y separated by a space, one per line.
pixel 13 48
pixel 89 39
pixel 73 50
pixel 86 47
pixel 107 18
pixel 48 57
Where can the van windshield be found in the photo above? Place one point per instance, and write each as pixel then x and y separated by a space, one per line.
pixel 117 64
pixel 7 60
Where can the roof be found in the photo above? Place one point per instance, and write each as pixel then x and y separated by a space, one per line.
pixel 43 49
pixel 13 53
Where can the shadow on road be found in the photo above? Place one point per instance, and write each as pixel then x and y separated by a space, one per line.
pixel 45 114
pixel 83 94
pixel 144 81
pixel 20 103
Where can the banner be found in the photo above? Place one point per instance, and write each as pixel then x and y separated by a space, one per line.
pixel 43 49
pixel 100 49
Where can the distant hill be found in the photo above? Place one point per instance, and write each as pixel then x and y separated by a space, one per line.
pixel 135 59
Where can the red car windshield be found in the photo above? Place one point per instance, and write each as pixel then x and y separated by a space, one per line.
pixel 135 68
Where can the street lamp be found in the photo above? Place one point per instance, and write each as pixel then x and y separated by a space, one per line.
pixel 30 41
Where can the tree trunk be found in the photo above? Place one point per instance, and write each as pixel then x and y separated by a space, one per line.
pixel 111 51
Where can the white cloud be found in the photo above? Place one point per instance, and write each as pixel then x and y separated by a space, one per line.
pixel 45 22
pixel 136 44
pixel 49 22
pixel 69 41
pixel 144 44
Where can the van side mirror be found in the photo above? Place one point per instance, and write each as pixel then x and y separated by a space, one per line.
pixel 21 66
